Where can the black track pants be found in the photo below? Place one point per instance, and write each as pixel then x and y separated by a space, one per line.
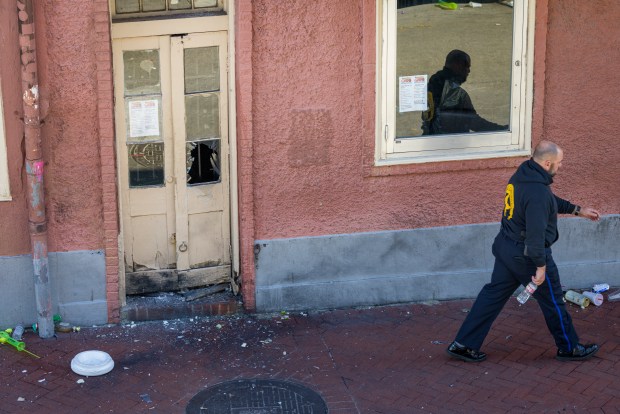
pixel 512 269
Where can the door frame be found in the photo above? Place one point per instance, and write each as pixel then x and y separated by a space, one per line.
pixel 121 30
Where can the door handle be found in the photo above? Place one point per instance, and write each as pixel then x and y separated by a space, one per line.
pixel 183 247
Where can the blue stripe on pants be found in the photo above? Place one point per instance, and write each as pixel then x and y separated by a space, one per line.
pixel 557 309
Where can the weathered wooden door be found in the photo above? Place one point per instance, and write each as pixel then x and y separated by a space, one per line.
pixel 172 149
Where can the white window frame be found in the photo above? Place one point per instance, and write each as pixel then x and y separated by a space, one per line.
pixel 390 150
pixel 221 5
pixel 5 191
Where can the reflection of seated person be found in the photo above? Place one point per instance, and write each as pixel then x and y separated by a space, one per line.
pixel 451 110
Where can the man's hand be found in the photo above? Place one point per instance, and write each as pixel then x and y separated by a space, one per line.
pixel 539 277
pixel 590 214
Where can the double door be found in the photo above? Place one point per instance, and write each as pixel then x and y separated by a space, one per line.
pixel 173 160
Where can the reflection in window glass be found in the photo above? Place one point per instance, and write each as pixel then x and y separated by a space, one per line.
pixel 146 164
pixel 141 72
pixel 127 6
pixel 471 93
pixel 179 4
pixel 202 116
pixel 203 161
pixel 202 69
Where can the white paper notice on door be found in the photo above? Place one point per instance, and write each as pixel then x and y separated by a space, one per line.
pixel 412 94
pixel 144 118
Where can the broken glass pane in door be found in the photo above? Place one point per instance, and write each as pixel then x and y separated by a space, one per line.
pixel 203 161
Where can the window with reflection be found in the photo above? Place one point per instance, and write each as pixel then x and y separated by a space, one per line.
pixel 454 79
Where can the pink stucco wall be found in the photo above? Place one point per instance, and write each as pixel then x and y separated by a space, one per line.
pixel 312 102
pixel 75 72
pixel 313 73
pixel 310 138
pixel 581 102
pixel 68 78
pixel 75 84
pixel 14 237
pixel 66 63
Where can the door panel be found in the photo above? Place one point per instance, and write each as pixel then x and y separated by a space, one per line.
pixel 147 201
pixel 172 146
pixel 150 243
pixel 209 252
pixel 202 204
pixel 144 151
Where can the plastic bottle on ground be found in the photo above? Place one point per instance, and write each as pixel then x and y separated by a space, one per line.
pixel 18 332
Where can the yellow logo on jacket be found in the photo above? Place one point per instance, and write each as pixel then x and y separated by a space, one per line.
pixel 509 201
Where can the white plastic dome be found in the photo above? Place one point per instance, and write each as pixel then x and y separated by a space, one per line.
pixel 92 363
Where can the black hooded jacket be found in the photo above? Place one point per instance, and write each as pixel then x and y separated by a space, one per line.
pixel 531 210
pixel 453 110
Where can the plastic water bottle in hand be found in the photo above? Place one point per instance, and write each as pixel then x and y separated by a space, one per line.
pixel 527 292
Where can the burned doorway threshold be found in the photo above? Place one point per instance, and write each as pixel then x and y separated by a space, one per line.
pixel 216 300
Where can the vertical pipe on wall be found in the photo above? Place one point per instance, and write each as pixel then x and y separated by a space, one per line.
pixel 34 168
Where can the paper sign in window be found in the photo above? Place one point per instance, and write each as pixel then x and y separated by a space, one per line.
pixel 412 93
pixel 143 118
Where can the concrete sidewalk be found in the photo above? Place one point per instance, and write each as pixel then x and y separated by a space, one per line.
pixel 378 360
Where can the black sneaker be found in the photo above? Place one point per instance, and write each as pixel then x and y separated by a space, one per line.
pixel 579 353
pixel 465 354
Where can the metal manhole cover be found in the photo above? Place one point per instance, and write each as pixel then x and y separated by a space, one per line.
pixel 257 397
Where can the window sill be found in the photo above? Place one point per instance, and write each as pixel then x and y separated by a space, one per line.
pixel 397 164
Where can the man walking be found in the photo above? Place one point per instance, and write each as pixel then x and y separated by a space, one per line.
pixel 522 251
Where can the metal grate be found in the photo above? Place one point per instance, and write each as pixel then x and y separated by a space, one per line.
pixel 257 396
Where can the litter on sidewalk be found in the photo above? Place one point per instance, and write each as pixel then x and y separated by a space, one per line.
pixel 92 363
pixel 614 296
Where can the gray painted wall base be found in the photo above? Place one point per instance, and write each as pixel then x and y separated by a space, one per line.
pixel 416 265
pixel 77 285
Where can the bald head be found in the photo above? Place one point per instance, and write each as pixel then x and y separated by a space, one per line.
pixel 546 150
pixel 549 156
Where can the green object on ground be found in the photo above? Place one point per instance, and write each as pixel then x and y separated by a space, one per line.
pixel 5 338
pixel 447 5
